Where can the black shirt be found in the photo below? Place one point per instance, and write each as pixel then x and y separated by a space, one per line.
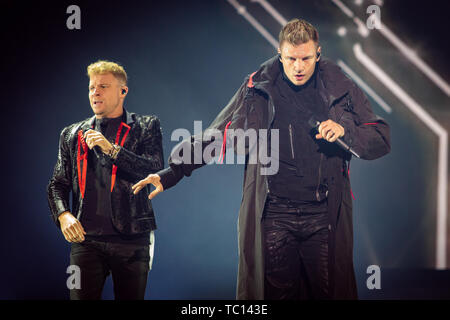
pixel 301 179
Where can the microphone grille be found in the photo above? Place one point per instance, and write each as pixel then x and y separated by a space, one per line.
pixel 313 122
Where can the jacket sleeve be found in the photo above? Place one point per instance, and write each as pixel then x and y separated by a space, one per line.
pixel 60 184
pixel 149 156
pixel 365 132
pixel 232 116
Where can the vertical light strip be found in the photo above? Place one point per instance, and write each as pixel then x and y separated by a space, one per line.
pixel 403 48
pixel 441 224
pixel 414 59
pixel 362 29
pixel 343 8
pixel 365 87
pixel 243 11
pixel 272 11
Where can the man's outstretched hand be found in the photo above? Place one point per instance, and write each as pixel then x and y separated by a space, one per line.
pixel 155 180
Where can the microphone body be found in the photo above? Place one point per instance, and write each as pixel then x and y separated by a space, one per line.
pixel 314 123
pixel 97 151
pixel 99 154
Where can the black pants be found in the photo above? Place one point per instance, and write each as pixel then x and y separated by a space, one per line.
pixel 296 254
pixel 128 264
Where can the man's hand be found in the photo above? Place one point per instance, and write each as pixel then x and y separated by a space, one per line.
pixel 155 180
pixel 94 138
pixel 330 131
pixel 71 228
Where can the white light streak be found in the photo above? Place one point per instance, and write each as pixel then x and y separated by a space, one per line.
pixel 419 111
pixel 365 87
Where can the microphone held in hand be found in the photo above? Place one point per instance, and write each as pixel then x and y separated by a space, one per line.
pixel 97 151
pixel 314 123
pixel 99 154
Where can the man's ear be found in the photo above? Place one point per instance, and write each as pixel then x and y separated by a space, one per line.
pixel 319 50
pixel 279 53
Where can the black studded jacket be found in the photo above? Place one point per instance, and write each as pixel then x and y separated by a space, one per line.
pixel 141 153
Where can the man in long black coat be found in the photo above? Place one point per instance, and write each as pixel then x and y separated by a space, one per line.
pixel 295 222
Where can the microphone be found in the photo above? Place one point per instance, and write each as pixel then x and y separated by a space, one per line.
pixel 314 123
pixel 98 152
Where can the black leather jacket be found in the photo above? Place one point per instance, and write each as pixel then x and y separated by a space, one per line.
pixel 140 155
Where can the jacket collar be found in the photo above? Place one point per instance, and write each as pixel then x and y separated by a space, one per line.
pixel 127 116
pixel 335 82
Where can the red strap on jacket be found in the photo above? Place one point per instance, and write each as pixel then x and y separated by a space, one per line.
pixel 82 157
pixel 348 172
pixel 114 168
pixel 224 143
pixel 250 81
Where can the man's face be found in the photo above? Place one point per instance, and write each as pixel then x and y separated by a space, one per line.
pixel 105 95
pixel 299 61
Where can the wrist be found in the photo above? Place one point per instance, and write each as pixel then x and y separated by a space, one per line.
pixel 63 215
pixel 108 148
pixel 114 151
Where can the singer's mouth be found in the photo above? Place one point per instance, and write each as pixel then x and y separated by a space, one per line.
pixel 98 102
pixel 299 76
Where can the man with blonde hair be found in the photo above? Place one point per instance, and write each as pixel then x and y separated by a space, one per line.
pixel 295 226
pixel 99 159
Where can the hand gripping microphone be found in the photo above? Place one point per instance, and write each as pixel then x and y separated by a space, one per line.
pixel 98 151
pixel 314 123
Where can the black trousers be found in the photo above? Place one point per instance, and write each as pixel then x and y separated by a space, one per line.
pixel 295 254
pixel 128 264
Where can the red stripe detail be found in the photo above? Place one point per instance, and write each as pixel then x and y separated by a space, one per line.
pixel 224 143
pixel 370 123
pixel 82 175
pixel 348 172
pixel 114 168
pixel 250 80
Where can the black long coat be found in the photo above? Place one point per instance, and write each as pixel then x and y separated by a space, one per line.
pixel 252 106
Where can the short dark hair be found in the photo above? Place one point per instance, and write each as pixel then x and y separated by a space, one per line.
pixel 298 31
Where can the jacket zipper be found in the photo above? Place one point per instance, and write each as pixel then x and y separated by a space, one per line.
pixel 320 175
pixel 269 135
pixel 292 141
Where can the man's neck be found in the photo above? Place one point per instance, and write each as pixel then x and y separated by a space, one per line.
pixel 311 81
pixel 116 114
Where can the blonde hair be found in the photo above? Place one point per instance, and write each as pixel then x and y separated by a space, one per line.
pixel 104 66
pixel 298 31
